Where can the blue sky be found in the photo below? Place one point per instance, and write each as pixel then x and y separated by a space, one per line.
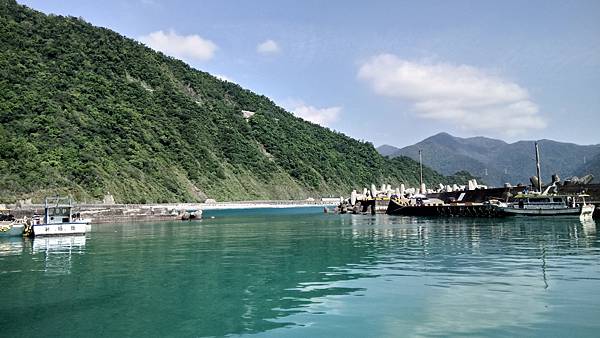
pixel 390 72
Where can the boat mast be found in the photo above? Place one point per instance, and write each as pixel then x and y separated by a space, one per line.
pixel 421 170
pixel 537 163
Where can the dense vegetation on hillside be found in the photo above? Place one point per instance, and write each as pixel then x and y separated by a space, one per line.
pixel 85 111
pixel 503 162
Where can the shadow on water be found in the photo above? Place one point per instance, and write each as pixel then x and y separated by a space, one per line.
pixel 271 270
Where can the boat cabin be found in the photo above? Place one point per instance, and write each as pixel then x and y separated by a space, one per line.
pixel 58 219
pixel 544 201
pixel 58 210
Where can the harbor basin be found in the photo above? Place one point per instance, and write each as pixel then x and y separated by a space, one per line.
pixel 300 273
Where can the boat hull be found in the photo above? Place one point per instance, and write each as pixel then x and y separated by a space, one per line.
pixel 59 229
pixel 11 230
pixel 445 210
pixel 583 211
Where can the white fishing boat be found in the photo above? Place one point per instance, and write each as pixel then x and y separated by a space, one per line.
pixel 58 219
pixel 549 205
pixel 544 203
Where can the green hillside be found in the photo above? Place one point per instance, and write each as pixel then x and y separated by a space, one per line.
pixel 86 111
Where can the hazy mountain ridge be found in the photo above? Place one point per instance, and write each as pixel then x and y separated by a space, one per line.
pixel 592 166
pixel 505 162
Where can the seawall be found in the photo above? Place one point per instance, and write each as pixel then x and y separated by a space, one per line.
pixel 125 213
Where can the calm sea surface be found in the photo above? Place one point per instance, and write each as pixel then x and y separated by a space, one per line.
pixel 301 273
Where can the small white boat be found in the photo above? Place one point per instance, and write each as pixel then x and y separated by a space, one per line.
pixel 58 219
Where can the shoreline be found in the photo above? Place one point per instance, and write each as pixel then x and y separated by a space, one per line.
pixel 126 213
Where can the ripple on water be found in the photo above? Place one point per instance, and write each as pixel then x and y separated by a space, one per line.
pixel 308 274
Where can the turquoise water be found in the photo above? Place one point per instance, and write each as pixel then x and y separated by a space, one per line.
pixel 301 273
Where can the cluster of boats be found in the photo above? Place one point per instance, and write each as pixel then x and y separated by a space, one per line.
pixel 524 204
pixel 58 219
pixel 497 202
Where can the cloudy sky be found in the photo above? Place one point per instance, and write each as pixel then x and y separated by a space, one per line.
pixel 390 72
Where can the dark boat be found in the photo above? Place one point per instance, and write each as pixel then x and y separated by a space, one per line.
pixel 399 208
pixel 486 202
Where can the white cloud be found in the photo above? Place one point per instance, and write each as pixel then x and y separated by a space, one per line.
pixel 268 47
pixel 180 46
pixel 462 95
pixel 321 116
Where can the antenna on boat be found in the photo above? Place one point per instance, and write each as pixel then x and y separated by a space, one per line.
pixel 421 169
pixel 537 163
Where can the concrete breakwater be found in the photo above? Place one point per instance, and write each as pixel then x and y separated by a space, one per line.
pixel 125 213
pixel 367 203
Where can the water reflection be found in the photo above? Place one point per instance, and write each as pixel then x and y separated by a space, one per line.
pixel 11 246
pixel 589 226
pixel 475 271
pixel 314 275
pixel 58 252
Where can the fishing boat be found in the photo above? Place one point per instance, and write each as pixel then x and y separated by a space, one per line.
pixel 544 203
pixel 58 219
pixel 548 205
pixel 9 226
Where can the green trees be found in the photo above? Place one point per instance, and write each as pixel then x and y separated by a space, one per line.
pixel 84 111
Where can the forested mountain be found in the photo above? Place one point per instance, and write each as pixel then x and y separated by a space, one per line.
pixel 496 161
pixel 85 111
pixel 591 166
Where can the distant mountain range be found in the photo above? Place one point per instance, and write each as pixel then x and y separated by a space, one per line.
pixel 591 166
pixel 497 162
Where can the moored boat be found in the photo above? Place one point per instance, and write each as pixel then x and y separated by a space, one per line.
pixel 9 226
pixel 10 229
pixel 544 203
pixel 58 219
pixel 548 205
